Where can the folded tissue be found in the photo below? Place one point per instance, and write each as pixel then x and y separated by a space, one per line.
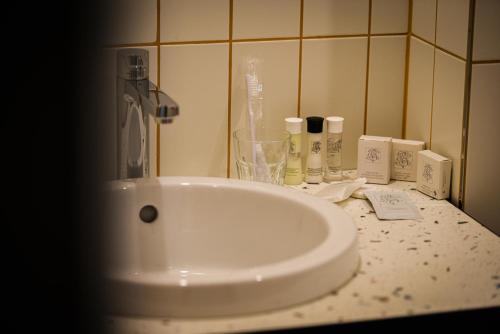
pixel 340 191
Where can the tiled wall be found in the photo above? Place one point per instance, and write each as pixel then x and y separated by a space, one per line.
pixel 320 57
pixel 436 80
pixel 481 169
pixel 353 58
pixel 451 86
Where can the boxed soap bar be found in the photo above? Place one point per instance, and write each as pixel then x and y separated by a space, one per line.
pixel 404 159
pixel 374 159
pixel 433 174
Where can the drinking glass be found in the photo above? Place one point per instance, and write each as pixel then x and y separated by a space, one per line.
pixel 261 155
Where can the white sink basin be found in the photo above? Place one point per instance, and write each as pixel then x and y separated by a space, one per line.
pixel 222 247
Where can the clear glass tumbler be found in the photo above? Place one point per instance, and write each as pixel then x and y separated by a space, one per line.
pixel 261 156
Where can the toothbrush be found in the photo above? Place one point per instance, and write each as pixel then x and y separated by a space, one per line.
pixel 254 94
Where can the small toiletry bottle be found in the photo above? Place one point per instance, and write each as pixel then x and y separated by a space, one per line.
pixel 293 174
pixel 334 148
pixel 314 172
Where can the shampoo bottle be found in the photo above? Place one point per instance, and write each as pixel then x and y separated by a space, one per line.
pixel 293 174
pixel 314 172
pixel 334 148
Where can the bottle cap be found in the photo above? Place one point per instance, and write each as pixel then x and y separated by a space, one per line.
pixel 293 125
pixel 335 124
pixel 315 124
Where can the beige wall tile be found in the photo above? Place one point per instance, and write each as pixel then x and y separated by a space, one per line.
pixel 130 21
pixel 335 17
pixel 420 79
pixel 452 26
pixel 280 63
pixel 424 19
pixel 481 180
pixel 194 20
pixel 487 30
pixel 386 86
pixel 389 16
pixel 447 113
pixel 196 77
pixel 333 84
pixel 109 100
pixel 266 18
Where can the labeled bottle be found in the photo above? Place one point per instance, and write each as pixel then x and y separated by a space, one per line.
pixel 334 148
pixel 293 173
pixel 314 172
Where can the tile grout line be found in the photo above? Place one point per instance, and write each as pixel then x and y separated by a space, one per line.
pixel 389 34
pixel 481 62
pixel 210 41
pixel 158 17
pixel 334 36
pixel 407 69
pixel 449 52
pixel 299 92
pixel 466 111
pixel 438 47
pixel 158 126
pixel 365 121
pixel 433 73
pixel 263 39
pixel 229 90
pixel 158 76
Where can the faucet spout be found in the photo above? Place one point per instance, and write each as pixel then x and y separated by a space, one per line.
pixel 155 103
pixel 160 105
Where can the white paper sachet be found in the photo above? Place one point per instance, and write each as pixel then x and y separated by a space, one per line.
pixel 392 205
pixel 339 191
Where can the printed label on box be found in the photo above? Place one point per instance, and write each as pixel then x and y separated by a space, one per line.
pixel 433 176
pixel 374 159
pixel 404 159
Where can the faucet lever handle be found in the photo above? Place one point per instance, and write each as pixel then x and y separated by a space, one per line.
pixel 133 64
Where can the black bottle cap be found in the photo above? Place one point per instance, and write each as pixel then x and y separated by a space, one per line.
pixel 315 124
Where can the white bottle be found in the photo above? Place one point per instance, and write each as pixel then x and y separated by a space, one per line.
pixel 334 148
pixel 314 172
pixel 293 174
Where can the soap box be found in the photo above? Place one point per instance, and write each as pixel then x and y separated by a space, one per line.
pixel 404 159
pixel 374 159
pixel 433 174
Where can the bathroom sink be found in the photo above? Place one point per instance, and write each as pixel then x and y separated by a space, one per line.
pixel 220 247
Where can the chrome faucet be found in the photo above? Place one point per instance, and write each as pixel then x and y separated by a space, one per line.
pixel 138 99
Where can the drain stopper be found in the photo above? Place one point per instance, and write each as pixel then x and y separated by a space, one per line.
pixel 148 214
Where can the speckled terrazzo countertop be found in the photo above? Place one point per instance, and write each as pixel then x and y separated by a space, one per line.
pixel 444 262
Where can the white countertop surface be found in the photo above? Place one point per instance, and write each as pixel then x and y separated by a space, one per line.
pixel 444 262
